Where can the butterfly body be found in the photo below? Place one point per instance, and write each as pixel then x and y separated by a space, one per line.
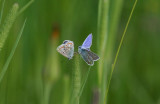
pixel 88 56
pixel 66 49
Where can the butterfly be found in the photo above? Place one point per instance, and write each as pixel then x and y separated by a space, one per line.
pixel 66 49
pixel 88 56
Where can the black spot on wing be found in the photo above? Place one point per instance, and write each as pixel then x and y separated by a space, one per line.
pixel 64 42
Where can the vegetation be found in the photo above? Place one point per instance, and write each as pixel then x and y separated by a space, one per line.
pixel 33 72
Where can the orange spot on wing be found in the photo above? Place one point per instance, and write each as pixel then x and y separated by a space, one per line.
pixel 61 47
pixel 69 43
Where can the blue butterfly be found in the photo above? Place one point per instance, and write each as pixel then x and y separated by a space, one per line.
pixel 85 52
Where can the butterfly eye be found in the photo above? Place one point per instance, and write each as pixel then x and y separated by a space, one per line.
pixel 65 42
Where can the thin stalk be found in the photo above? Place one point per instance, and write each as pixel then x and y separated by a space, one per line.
pixel 8 24
pixel 84 83
pixel 4 69
pixel 47 93
pixel 25 7
pixel 51 71
pixel 76 81
pixel 66 91
pixel 2 11
pixel 114 15
pixel 115 12
pixel 115 60
pixel 102 30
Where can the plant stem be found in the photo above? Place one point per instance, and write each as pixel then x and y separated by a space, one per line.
pixel 84 83
pixel 66 91
pixel 8 24
pixel 4 69
pixel 103 30
pixel 115 60
pixel 103 34
pixel 25 7
pixel 51 71
pixel 114 16
pixel 47 93
pixel 2 11
pixel 76 81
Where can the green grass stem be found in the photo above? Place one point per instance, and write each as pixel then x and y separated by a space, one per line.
pixel 51 72
pixel 84 83
pixel 4 69
pixel 66 91
pixel 2 11
pixel 115 13
pixel 76 81
pixel 102 30
pixel 115 60
pixel 8 24
pixel 114 16
pixel 102 34
pixel 25 7
pixel 47 91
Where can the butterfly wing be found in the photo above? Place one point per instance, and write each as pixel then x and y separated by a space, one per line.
pixel 93 55
pixel 88 42
pixel 66 49
pixel 61 49
pixel 87 58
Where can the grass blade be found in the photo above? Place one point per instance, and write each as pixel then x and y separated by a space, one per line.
pixel 84 83
pixel 76 82
pixel 4 69
pixel 2 11
pixel 8 24
pixel 25 7
pixel 102 30
pixel 115 60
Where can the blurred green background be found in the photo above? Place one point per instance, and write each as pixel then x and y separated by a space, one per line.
pixel 37 70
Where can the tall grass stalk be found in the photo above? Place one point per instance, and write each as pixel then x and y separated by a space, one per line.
pixel 66 91
pixel 102 34
pixel 47 91
pixel 114 17
pixel 25 7
pixel 8 24
pixel 4 69
pixel 115 11
pixel 115 60
pixel 51 72
pixel 103 30
pixel 76 81
pixel 2 11
pixel 84 83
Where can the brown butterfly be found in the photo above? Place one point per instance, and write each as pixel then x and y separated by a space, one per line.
pixel 66 49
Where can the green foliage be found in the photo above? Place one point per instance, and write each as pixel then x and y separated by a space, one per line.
pixel 8 24
pixel 4 69
pixel 2 11
pixel 76 81
pixel 38 74
pixel 119 47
